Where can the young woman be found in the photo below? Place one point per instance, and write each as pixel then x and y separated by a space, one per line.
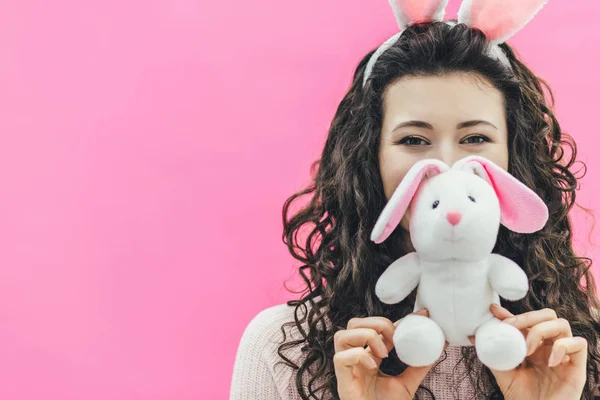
pixel 439 91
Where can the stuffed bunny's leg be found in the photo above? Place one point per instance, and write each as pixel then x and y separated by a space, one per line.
pixel 500 346
pixel 418 340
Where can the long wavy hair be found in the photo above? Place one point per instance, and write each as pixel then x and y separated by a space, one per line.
pixel 329 234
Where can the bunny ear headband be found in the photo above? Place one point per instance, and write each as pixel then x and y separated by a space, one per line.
pixel 521 210
pixel 498 19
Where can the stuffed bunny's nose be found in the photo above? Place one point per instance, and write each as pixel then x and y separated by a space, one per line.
pixel 454 217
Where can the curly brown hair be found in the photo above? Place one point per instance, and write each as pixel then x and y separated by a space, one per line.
pixel 330 234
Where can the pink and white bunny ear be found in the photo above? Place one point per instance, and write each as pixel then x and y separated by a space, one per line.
pixel 410 11
pixel 498 19
pixel 521 209
pixel 398 204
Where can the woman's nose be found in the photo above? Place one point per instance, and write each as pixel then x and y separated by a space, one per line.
pixel 449 153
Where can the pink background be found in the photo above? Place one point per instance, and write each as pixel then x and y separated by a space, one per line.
pixel 147 149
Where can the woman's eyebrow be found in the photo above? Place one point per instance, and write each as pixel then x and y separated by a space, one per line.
pixel 426 125
pixel 468 124
pixel 413 124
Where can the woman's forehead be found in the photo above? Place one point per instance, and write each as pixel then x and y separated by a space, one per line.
pixel 458 96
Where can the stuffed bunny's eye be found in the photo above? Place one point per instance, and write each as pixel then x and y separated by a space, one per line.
pixel 472 199
pixel 436 203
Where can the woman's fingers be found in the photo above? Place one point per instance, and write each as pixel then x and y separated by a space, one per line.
pixel 360 348
pixel 527 321
pixel 360 337
pixel 539 325
pixel 358 345
pixel 371 335
pixel 554 329
pixel 500 312
pixel 575 348
pixel 351 357
pixel 544 327
pixel 345 361
pixel 381 325
pixel 531 318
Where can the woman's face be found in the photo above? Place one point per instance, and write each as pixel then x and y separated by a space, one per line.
pixel 447 118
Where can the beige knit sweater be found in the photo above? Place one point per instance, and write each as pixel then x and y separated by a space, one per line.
pixel 258 376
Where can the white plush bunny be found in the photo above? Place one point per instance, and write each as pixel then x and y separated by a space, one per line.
pixel 455 217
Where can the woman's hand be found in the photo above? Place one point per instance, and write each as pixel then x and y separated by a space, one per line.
pixel 357 367
pixel 555 367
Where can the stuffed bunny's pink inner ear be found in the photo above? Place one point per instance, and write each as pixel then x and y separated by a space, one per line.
pixel 396 207
pixel 521 209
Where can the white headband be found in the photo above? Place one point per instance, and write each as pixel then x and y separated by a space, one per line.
pixel 498 19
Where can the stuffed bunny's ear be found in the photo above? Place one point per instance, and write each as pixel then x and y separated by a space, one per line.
pixel 521 209
pixel 398 204
pixel 410 11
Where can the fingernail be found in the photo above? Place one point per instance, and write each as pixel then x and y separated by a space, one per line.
pixel 383 350
pixel 372 363
pixel 552 360
pixel 422 311
pixel 511 320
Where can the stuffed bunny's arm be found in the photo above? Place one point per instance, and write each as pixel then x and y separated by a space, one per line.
pixel 399 279
pixel 507 278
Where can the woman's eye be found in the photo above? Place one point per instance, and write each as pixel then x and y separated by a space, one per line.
pixel 476 139
pixel 413 141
